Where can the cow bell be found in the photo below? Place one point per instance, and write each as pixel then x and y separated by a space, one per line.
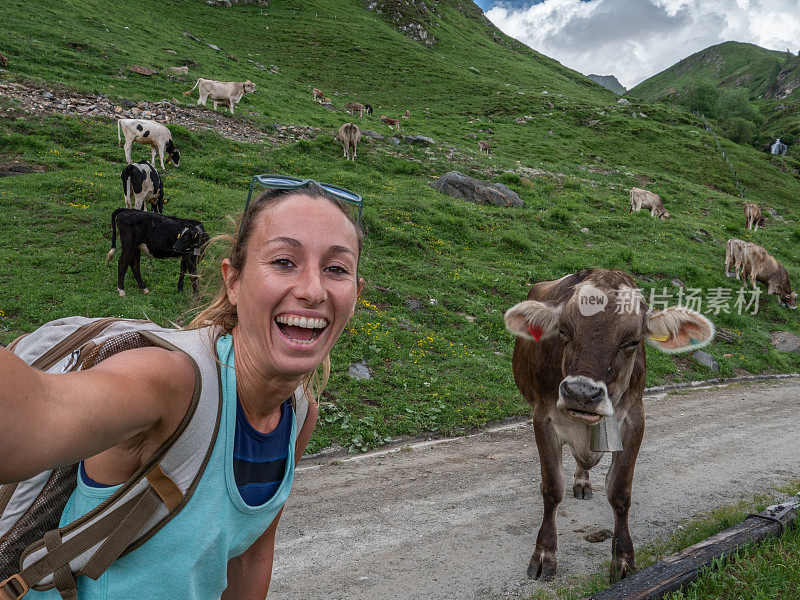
pixel 605 435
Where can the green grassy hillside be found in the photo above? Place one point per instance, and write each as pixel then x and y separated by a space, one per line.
pixel 770 78
pixel 440 272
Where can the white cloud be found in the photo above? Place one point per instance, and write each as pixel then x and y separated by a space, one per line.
pixel 635 39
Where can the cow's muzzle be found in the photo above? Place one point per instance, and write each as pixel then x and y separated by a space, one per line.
pixel 584 398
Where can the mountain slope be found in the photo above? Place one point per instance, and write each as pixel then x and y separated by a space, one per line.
pixel 440 272
pixel 770 78
pixel 609 82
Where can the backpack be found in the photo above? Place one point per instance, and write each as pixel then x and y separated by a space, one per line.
pixel 34 551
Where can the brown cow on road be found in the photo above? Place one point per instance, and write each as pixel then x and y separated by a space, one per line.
pixel 579 356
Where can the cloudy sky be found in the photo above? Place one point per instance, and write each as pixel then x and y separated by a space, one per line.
pixel 635 39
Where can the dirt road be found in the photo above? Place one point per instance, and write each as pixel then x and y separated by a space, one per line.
pixel 458 520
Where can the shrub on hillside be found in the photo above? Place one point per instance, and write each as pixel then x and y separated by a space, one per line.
pixel 739 130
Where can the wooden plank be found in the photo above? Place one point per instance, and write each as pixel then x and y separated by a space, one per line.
pixel 674 572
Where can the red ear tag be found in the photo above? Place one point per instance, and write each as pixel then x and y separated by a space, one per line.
pixel 536 331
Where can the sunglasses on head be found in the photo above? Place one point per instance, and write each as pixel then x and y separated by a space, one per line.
pixel 285 182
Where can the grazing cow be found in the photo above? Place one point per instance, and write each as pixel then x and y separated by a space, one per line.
pixel 355 107
pixel 484 147
pixel 579 357
pixel 158 236
pixel 753 217
pixel 643 199
pixel 734 257
pixel 153 134
pixel 391 122
pixel 141 182
pixel 760 265
pixel 317 95
pixel 222 92
pixel 368 109
pixel 349 134
pixel 407 114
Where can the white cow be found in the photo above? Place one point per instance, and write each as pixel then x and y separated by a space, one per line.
pixel 153 134
pixel 222 92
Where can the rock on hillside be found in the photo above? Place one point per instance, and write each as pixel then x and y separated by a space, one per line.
pixel 458 185
pixel 609 82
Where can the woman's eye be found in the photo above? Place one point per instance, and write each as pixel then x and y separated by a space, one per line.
pixel 283 263
pixel 338 270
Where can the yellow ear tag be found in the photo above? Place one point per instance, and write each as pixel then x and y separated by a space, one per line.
pixel 660 338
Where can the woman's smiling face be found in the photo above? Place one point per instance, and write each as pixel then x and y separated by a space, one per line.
pixel 299 285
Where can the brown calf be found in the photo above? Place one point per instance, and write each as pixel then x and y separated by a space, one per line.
pixel 349 134
pixel 643 199
pixel 391 122
pixel 760 265
pixel 752 215
pixel 484 147
pixel 734 257
pixel 579 357
pixel 317 95
pixel 355 107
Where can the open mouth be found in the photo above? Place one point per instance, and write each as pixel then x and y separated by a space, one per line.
pixel 301 330
pixel 580 415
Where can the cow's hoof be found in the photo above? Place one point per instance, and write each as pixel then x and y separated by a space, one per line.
pixel 621 568
pixel 542 566
pixel 582 491
pixel 145 290
pixel 121 293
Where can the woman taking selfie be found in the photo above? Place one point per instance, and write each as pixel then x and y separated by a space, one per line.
pixel 290 285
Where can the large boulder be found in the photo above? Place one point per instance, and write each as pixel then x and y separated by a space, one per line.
pixel 458 185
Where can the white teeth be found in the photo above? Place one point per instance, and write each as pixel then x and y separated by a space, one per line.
pixel 305 322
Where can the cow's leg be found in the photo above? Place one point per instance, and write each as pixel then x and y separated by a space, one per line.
pixel 582 488
pixel 193 272
pixel 137 256
pixel 231 104
pixel 619 481
pixel 185 258
pixel 128 146
pixel 355 150
pixel 122 267
pixel 543 561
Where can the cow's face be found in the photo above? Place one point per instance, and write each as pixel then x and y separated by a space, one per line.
pixel 190 239
pixel 175 157
pixel 664 216
pixel 249 87
pixel 601 333
pixel 787 298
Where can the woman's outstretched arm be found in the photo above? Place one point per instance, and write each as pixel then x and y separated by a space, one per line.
pixel 52 420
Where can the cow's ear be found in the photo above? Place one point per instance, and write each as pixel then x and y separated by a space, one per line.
pixel 678 329
pixel 532 320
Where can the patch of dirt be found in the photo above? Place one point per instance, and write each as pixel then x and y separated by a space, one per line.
pixel 10 167
pixel 37 99
pixel 459 519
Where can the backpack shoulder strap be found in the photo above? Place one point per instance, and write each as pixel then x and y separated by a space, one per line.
pixel 148 500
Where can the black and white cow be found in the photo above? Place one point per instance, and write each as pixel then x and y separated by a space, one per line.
pixel 150 133
pixel 158 236
pixel 141 182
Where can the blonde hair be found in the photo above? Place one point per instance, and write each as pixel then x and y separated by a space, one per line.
pixel 221 315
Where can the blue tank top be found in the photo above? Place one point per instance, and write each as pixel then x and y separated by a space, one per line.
pixel 187 558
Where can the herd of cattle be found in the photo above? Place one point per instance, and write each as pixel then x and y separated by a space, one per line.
pixel 751 260
pixel 571 385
